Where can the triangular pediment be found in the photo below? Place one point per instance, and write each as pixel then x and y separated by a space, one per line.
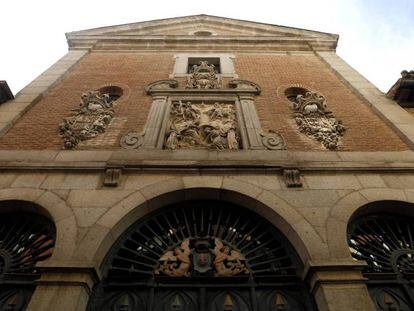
pixel 198 27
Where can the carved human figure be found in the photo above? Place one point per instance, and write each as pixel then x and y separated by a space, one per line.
pixel 176 262
pixel 227 263
pixel 172 140
pixel 232 140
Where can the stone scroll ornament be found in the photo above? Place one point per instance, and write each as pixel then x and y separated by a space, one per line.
pixel 199 125
pixel 203 76
pixel 314 120
pixel 202 257
pixel 92 117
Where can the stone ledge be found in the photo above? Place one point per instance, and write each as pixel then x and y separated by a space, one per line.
pixel 199 160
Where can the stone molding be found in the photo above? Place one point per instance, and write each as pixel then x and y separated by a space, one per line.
pixel 388 110
pixel 255 37
pixel 12 110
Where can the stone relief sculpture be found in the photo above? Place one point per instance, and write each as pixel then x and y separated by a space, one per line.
pixel 273 140
pixel 200 125
pixel 132 140
pixel 314 119
pixel 202 257
pixel 92 117
pixel 203 76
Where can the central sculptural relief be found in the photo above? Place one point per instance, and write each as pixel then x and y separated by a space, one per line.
pixel 202 125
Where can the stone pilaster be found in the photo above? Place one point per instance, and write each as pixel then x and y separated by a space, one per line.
pixel 63 289
pixel 250 126
pixel 339 286
pixel 155 123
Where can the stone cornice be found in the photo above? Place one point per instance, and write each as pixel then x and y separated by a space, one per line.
pixel 186 43
pixel 196 161
pixel 241 36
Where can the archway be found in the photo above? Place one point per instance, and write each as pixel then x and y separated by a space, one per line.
pixel 26 237
pixel 202 255
pixel 382 234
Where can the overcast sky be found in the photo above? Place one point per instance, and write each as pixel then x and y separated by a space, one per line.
pixel 376 36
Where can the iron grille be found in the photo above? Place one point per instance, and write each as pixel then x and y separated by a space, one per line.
pixel 24 240
pixel 138 253
pixel 385 242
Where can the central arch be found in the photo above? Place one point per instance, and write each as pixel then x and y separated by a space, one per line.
pixel 206 255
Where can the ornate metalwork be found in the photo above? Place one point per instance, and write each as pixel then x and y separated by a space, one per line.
pixel 386 243
pixel 314 119
pixel 92 117
pixel 199 256
pixel 203 76
pixel 201 125
pixel 24 240
pixel 15 299
pixel 235 239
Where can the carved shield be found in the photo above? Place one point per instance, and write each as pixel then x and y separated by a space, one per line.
pixel 202 262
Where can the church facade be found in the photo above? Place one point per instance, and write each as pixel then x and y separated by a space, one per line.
pixel 206 163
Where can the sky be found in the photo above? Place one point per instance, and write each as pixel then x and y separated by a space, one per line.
pixel 376 36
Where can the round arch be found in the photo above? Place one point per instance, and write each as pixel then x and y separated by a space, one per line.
pixel 51 206
pixel 305 240
pixel 185 253
pixel 356 203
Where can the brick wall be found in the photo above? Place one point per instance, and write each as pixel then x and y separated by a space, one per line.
pixel 38 128
pixel 365 130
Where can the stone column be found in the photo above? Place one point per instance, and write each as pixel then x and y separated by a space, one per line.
pixel 339 287
pixel 250 123
pixel 155 123
pixel 63 289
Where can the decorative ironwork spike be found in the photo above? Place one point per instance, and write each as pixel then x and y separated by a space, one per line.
pixel 12 302
pixel 176 303
pixel 124 303
pixel 280 302
pixel 228 303
pixel 388 299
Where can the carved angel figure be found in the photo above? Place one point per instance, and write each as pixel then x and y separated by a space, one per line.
pixel 226 262
pixel 176 262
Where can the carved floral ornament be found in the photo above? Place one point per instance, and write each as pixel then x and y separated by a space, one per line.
pixel 316 121
pixel 202 257
pixel 92 117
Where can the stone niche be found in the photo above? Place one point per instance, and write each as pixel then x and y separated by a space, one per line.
pixel 222 118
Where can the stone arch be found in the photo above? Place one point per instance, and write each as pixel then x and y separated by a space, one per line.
pixel 343 211
pixel 284 217
pixel 52 206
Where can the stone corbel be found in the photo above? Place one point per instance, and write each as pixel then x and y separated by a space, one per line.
pixel 292 178
pixel 112 177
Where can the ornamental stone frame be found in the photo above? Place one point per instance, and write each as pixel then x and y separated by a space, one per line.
pixel 226 64
pixel 239 93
